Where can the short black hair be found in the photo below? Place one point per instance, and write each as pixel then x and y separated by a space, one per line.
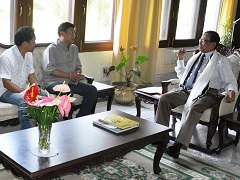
pixel 64 26
pixel 25 33
pixel 214 37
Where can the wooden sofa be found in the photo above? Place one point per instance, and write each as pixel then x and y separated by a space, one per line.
pixel 9 112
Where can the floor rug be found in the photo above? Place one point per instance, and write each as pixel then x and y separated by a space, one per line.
pixel 139 164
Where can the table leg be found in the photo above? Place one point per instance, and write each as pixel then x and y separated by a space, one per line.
pixel 138 105
pixel 109 103
pixel 161 148
pixel 237 138
pixel 94 106
pixel 155 108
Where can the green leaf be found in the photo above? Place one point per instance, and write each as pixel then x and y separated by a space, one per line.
pixel 112 68
pixel 141 59
pixel 137 72
pixel 120 65
pixel 125 58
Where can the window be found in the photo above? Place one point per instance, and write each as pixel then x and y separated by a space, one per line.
pixel 212 16
pixel 102 10
pixel 187 19
pixel 97 29
pixel 48 15
pixel 6 16
pixel 93 34
pixel 184 21
pixel 165 19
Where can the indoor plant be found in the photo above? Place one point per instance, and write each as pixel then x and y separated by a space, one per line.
pixel 226 34
pixel 44 109
pixel 124 90
pixel 129 72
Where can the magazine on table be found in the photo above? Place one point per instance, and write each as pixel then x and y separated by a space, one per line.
pixel 116 123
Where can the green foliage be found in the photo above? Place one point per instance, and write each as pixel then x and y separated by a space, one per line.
pixel 226 37
pixel 44 115
pixel 128 73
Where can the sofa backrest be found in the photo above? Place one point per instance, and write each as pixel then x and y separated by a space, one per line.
pixel 234 59
pixel 37 63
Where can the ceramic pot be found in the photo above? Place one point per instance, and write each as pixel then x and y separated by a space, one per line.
pixel 124 94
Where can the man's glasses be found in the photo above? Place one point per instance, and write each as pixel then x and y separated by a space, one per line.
pixel 71 32
pixel 204 40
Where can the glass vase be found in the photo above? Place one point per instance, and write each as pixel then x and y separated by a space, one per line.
pixel 44 138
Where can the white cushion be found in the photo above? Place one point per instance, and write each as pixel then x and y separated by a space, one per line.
pixel 37 63
pixel 8 111
pixel 234 60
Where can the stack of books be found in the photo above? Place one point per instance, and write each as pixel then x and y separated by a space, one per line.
pixel 116 123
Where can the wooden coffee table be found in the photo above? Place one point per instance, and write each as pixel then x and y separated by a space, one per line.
pixel 79 143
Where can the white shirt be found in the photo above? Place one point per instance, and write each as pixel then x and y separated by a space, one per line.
pixel 222 79
pixel 14 67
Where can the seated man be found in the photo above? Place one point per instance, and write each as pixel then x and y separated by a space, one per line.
pixel 205 74
pixel 61 63
pixel 16 70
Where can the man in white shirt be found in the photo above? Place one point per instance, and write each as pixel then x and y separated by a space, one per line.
pixel 16 70
pixel 205 74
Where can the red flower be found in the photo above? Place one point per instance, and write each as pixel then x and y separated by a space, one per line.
pixel 31 93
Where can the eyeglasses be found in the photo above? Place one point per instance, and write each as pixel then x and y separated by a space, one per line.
pixel 71 32
pixel 204 40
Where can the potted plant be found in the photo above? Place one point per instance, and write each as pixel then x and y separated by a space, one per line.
pixel 124 90
pixel 226 37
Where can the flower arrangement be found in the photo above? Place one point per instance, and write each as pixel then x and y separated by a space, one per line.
pixel 44 109
pixel 128 73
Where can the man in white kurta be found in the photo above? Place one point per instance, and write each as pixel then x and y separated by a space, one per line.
pixel 215 74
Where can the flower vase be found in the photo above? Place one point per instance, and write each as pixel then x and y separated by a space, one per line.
pixel 44 138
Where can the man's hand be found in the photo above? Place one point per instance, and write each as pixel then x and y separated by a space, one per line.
pixel 180 53
pixel 77 76
pixel 230 97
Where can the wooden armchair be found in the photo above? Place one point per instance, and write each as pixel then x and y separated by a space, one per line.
pixel 210 116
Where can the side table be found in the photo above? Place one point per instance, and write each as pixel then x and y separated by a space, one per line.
pixel 146 95
pixel 229 121
pixel 104 90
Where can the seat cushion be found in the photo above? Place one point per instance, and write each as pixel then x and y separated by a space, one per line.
pixel 8 111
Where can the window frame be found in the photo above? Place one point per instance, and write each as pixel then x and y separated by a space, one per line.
pixel 171 32
pixel 24 16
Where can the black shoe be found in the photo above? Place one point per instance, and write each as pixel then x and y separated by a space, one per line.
pixel 174 151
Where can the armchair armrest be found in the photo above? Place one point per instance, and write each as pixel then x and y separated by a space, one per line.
pixel 89 79
pixel 170 84
pixel 226 108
